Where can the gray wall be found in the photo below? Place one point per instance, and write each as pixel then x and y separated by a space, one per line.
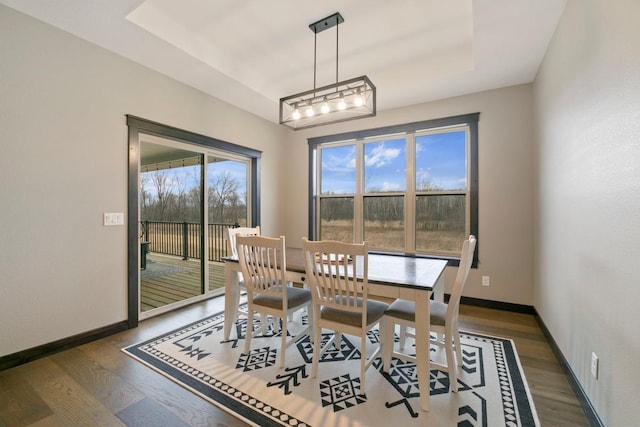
pixel 63 163
pixel 587 109
pixel 505 136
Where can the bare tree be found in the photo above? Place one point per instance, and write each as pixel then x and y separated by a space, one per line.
pixel 180 185
pixel 145 197
pixel 223 189
pixel 174 196
pixel 162 185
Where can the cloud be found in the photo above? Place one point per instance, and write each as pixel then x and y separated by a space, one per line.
pixel 381 155
pixel 391 186
pixel 341 159
pixel 423 175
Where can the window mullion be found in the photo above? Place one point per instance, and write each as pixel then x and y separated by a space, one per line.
pixel 358 202
pixel 410 196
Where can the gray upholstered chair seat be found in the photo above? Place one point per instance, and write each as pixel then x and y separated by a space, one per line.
pixel 406 310
pixel 375 311
pixel 295 298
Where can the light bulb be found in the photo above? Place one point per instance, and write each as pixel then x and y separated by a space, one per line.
pixel 309 111
pixel 358 101
pixel 325 108
pixel 341 103
pixel 296 114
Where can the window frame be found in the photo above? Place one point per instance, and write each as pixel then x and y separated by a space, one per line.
pixel 368 135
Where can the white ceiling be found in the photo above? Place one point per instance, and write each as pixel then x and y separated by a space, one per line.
pixel 250 53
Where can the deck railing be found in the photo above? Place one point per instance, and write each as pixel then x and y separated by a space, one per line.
pixel 183 238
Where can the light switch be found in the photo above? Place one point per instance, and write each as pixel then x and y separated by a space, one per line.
pixel 119 218
pixel 111 218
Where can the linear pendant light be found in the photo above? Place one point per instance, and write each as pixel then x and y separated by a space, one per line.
pixel 346 100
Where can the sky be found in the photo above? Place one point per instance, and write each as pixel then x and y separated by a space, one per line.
pixel 191 175
pixel 440 161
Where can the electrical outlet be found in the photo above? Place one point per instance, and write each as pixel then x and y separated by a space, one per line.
pixel 485 281
pixel 595 362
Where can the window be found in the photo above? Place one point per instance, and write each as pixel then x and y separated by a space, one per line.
pixel 409 189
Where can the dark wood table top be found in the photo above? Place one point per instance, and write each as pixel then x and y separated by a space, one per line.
pixel 389 270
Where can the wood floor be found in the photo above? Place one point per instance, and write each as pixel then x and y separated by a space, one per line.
pixel 97 385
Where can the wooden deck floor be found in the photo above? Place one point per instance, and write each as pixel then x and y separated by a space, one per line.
pixel 168 279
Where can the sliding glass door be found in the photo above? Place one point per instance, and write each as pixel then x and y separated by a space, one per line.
pixel 171 261
pixel 227 206
pixel 176 266
pixel 185 190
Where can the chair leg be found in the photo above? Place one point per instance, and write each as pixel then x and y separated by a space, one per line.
pixel 263 320
pixel 317 339
pixel 456 338
pixel 451 364
pixel 382 328
pixel 310 327
pixel 403 336
pixel 338 340
pixel 249 332
pixel 363 364
pixel 388 344
pixel 283 341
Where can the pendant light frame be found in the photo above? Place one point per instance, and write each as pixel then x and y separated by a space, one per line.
pixel 338 102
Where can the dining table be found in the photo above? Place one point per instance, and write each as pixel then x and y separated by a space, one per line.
pixel 389 276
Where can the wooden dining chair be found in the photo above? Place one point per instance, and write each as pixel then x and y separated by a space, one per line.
pixel 443 318
pixel 232 233
pixel 263 263
pixel 340 300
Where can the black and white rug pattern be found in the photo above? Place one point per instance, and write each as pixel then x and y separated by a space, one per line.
pixel 492 388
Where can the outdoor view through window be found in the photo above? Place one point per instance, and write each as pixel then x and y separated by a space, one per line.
pixel 405 193
pixel 189 196
pixel 173 194
pixel 171 203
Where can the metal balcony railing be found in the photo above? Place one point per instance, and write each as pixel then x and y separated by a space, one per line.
pixel 184 238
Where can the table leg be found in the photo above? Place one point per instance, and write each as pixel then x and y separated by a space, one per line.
pixel 231 297
pixel 438 295
pixel 422 347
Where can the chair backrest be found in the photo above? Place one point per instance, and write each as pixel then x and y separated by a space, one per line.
pixel 466 259
pixel 332 268
pixel 263 263
pixel 239 231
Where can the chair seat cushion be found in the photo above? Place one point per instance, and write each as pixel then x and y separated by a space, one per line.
pixel 406 310
pixel 375 311
pixel 295 298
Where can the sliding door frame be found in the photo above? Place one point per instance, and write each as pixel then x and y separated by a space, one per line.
pixel 138 126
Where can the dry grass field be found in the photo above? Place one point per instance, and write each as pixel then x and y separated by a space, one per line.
pixel 391 236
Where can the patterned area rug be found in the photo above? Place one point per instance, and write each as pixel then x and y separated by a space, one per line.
pixel 492 389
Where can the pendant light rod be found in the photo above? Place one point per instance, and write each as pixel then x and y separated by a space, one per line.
pixel 315 56
pixel 337 102
pixel 317 27
pixel 337 28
